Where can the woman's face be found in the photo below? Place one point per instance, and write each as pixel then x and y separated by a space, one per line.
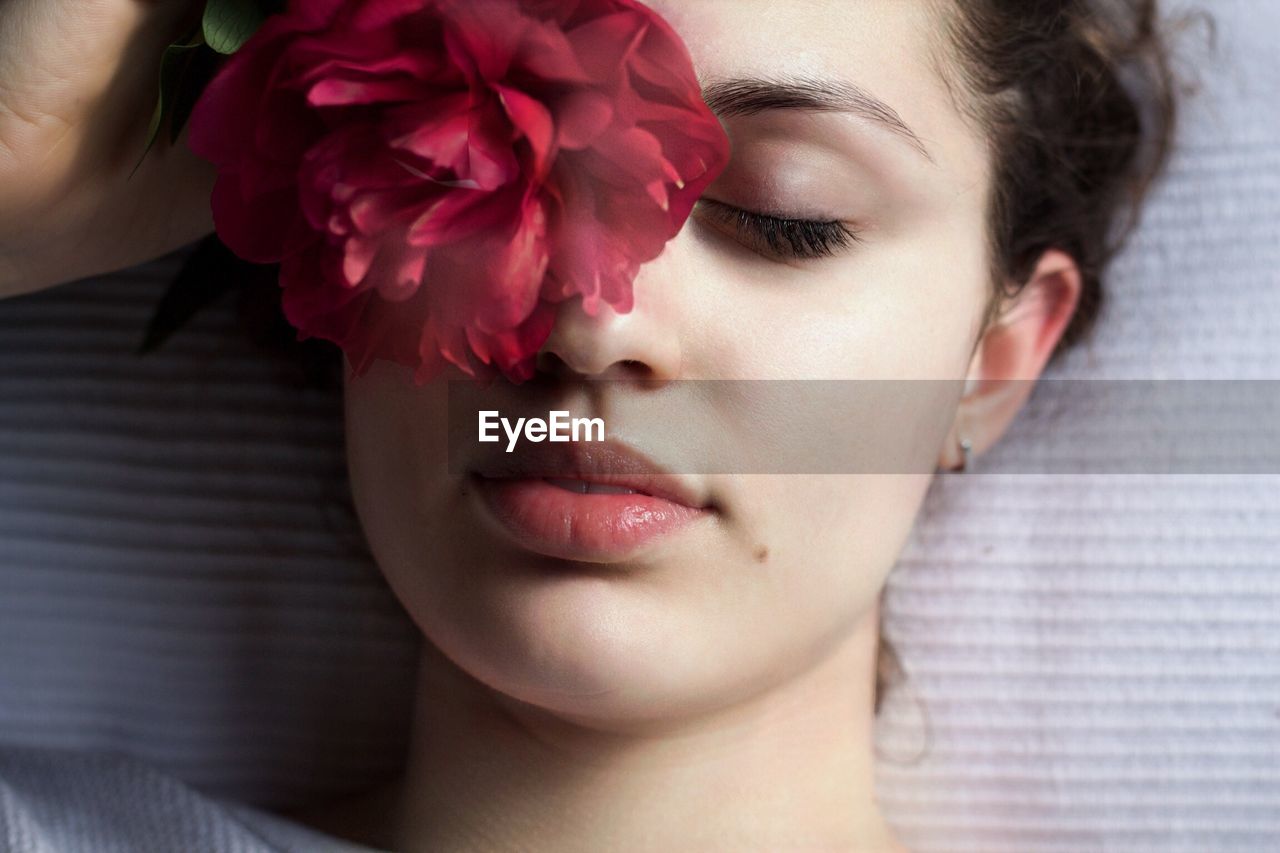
pixel 769 572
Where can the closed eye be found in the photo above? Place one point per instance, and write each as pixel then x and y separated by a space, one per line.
pixel 782 235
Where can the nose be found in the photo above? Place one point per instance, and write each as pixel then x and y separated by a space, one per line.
pixel 642 344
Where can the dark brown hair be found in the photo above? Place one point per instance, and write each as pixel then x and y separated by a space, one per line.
pixel 1078 102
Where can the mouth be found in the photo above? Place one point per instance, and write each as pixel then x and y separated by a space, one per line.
pixel 595 503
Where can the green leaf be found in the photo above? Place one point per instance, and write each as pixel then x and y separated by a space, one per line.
pixel 209 272
pixel 187 66
pixel 228 24
pixel 195 77
pixel 173 65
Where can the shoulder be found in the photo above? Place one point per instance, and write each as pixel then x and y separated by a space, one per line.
pixel 66 801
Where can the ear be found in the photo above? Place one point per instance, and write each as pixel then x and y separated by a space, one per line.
pixel 1012 353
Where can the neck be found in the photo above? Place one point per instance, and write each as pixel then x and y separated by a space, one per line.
pixel 788 769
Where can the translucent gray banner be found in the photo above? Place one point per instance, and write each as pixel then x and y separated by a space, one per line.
pixel 864 426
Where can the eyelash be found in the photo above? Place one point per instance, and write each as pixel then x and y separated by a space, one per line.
pixel 796 238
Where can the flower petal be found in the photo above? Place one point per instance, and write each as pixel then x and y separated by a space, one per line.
pixel 533 120
pixel 580 118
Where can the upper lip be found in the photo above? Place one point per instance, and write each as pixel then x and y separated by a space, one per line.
pixel 607 463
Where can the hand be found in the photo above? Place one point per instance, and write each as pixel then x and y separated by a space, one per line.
pixel 78 86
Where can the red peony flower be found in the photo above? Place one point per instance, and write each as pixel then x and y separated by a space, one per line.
pixel 434 176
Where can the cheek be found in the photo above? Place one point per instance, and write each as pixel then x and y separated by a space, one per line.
pixel 906 305
pixel 396 458
pixel 829 542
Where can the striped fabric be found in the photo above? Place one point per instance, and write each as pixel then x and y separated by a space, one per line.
pixel 125 805
pixel 1094 661
pixel 176 581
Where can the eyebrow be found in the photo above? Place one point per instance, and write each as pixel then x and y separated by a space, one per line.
pixel 747 96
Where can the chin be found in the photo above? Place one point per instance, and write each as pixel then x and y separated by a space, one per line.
pixel 606 652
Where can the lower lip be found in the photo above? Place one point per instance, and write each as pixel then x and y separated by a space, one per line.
pixel 597 528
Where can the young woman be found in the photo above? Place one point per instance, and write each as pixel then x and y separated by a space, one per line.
pixel 920 189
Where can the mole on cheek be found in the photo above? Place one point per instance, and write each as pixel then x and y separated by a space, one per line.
pixel 762 554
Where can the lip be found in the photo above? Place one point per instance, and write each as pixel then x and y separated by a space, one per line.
pixel 540 516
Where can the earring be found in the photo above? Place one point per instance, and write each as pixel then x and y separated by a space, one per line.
pixel 966 448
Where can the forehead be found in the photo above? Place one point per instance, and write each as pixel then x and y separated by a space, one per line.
pixel 888 48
